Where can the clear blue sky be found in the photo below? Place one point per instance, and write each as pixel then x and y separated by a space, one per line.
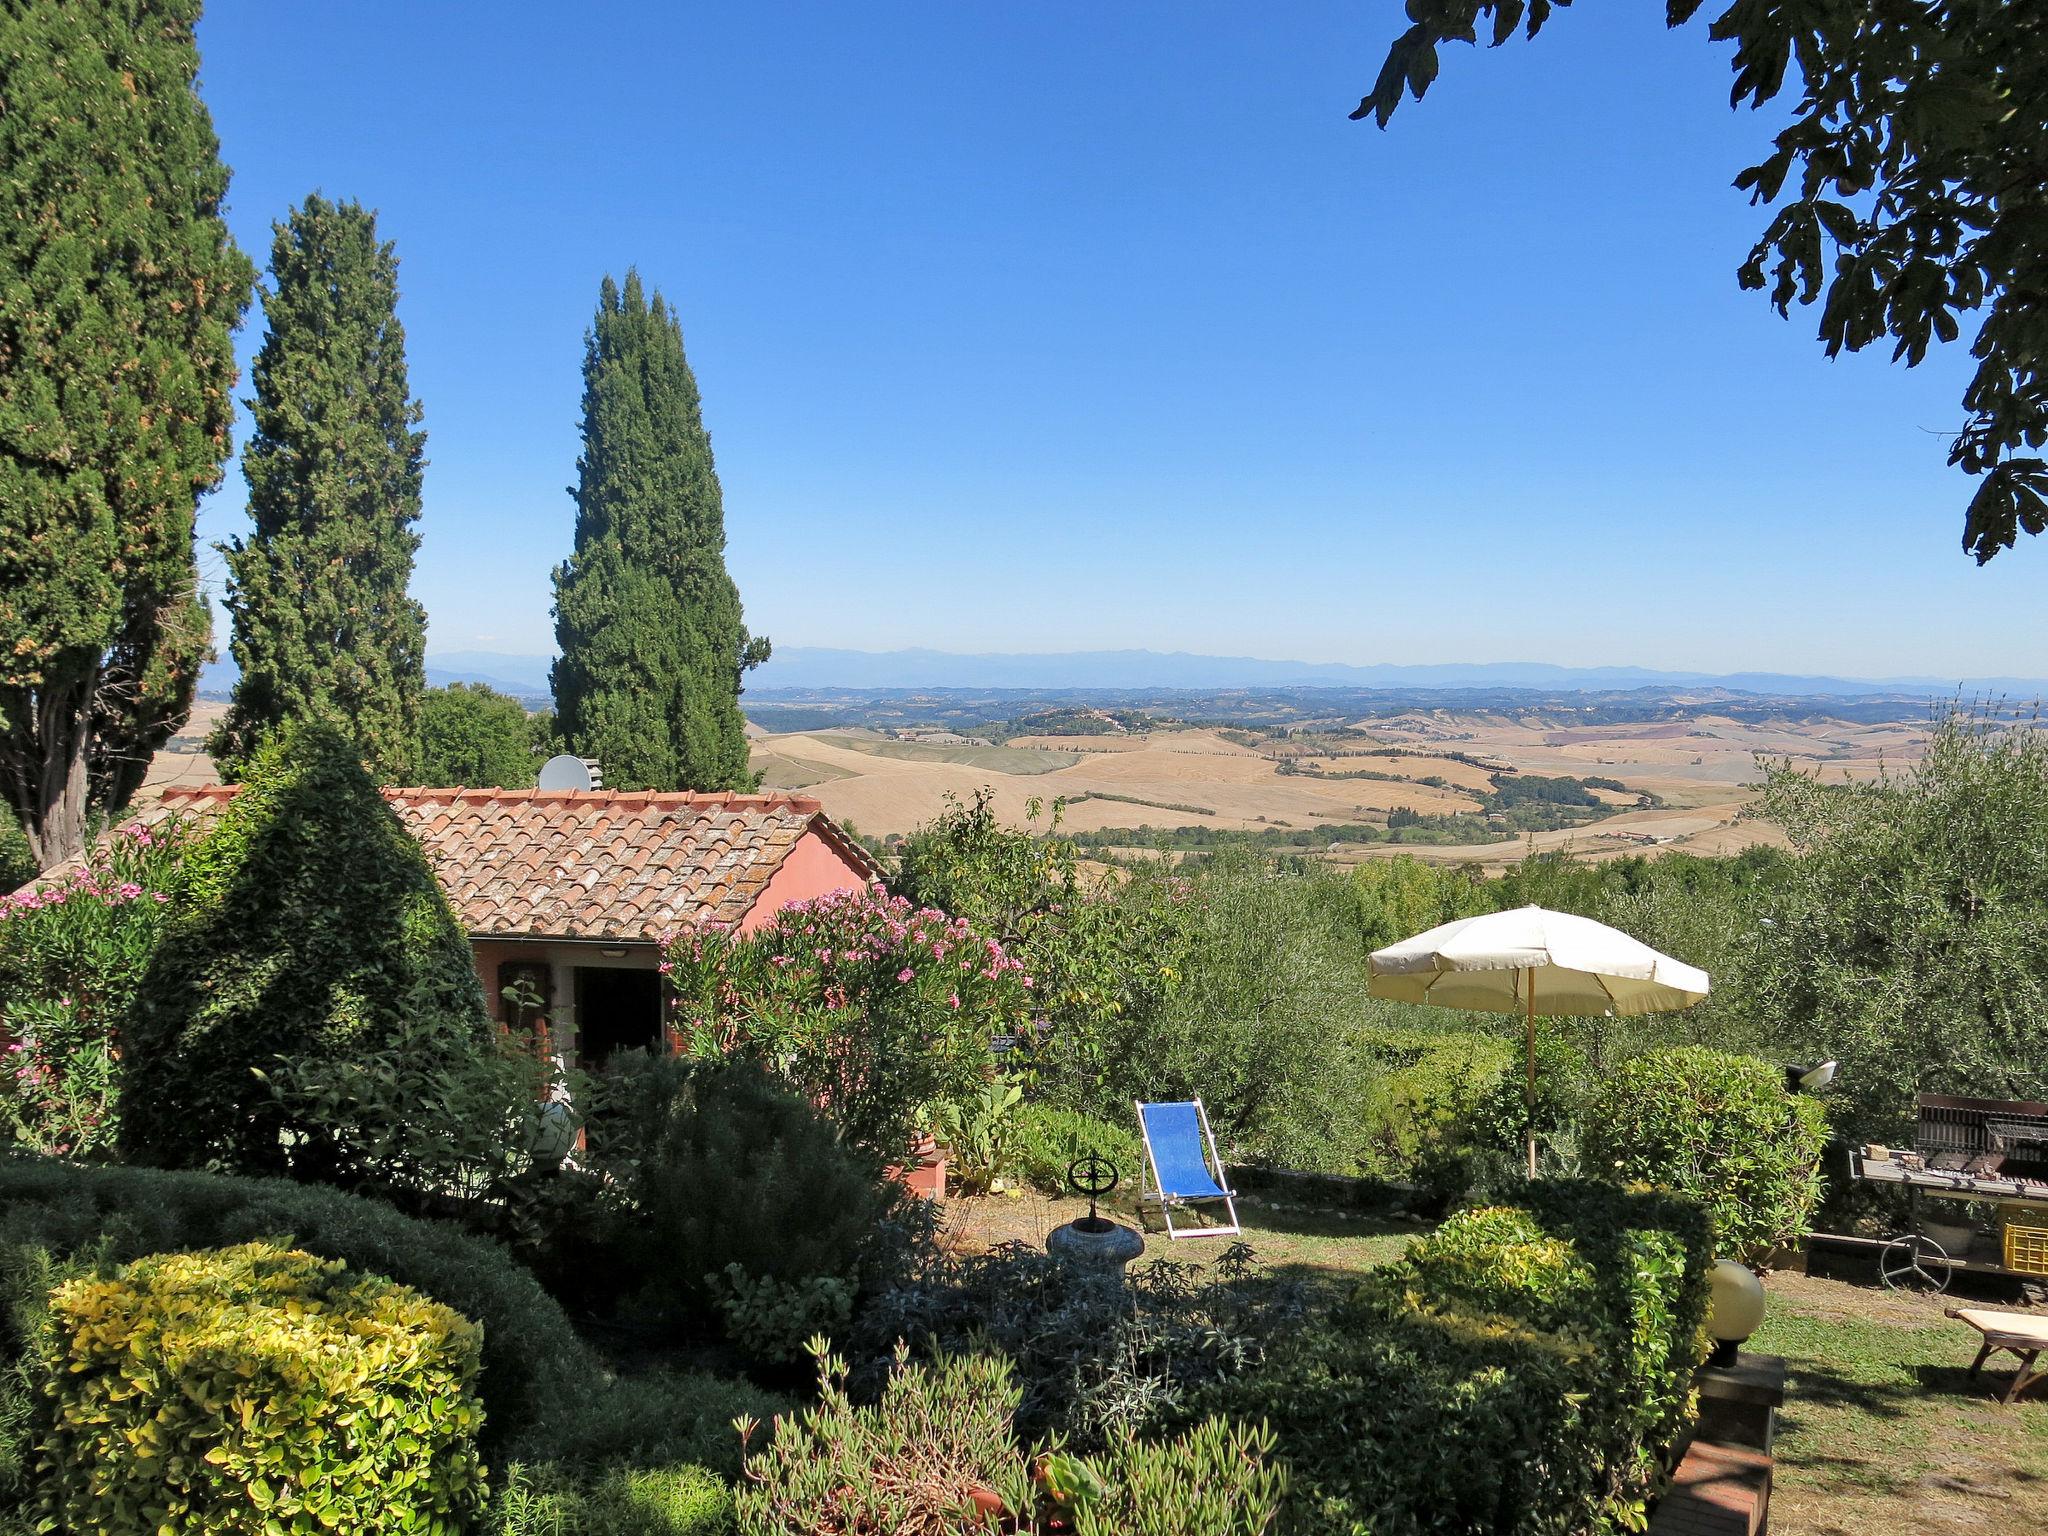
pixel 1062 325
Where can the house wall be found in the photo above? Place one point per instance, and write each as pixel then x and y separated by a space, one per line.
pixel 814 868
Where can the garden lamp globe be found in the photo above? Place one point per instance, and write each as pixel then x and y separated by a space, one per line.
pixel 1735 1308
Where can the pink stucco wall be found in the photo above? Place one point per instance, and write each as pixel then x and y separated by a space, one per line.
pixel 813 868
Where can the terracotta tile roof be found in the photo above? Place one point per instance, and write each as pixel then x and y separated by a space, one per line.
pixel 594 864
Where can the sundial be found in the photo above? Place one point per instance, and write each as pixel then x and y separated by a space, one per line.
pixel 1093 1175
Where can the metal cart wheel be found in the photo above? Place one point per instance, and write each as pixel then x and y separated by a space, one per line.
pixel 1914 1262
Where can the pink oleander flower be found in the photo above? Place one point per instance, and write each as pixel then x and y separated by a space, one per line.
pixel 906 974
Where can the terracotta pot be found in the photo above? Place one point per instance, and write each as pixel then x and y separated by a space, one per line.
pixel 988 1504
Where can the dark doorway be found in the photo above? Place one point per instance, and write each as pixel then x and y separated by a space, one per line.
pixel 617 1009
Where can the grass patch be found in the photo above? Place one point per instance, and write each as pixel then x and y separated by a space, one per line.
pixel 1883 1426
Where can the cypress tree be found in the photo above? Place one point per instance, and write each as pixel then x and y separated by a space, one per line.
pixel 653 643
pixel 120 290
pixel 324 628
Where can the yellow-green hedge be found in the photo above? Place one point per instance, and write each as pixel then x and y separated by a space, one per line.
pixel 258 1390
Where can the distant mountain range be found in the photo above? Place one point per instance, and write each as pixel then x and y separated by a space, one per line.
pixel 810 667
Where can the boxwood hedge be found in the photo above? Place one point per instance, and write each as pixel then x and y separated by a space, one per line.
pixel 257 1389
pixel 536 1374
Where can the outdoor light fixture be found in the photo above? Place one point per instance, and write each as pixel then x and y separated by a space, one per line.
pixel 1735 1310
pixel 1809 1079
pixel 618 952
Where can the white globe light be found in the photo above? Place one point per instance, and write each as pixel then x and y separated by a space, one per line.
pixel 1737 1308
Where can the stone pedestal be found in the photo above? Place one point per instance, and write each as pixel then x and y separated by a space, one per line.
pixel 1739 1403
pixel 1096 1244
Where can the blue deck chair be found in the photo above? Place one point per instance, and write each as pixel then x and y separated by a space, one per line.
pixel 1180 1156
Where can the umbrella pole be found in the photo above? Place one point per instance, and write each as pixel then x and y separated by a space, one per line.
pixel 1529 1086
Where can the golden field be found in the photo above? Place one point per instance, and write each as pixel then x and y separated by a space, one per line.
pixel 1699 768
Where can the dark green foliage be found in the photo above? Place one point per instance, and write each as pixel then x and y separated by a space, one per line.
pixel 1914 127
pixel 324 627
pixel 1720 1129
pixel 649 622
pixel 1909 938
pixel 121 290
pixel 714 1165
pixel 1519 1371
pixel 1092 1359
pixel 475 737
pixel 307 926
pixel 17 863
pixel 538 1378
pixel 598 1455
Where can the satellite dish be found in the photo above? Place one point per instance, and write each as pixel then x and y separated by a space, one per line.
pixel 571 773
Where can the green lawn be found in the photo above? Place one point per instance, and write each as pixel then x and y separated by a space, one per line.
pixel 1885 1430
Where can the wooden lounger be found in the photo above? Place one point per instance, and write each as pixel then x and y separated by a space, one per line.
pixel 2025 1336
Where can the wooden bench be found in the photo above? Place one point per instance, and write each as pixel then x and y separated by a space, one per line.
pixel 2024 1336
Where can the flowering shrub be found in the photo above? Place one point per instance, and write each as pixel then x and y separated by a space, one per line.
pixel 72 954
pixel 876 1010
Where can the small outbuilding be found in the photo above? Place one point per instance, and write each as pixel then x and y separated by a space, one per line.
pixel 566 893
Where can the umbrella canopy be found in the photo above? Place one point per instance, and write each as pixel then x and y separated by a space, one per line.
pixel 1532 961
pixel 1568 966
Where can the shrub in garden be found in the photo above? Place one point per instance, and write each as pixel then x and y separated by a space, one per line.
pixel 1721 1129
pixel 537 1379
pixel 257 1389
pixel 1521 1370
pixel 1090 1358
pixel 307 929
pixel 550 1500
pixel 1261 1020
pixel 716 1166
pixel 942 1436
pixel 73 952
pixel 1421 1123
pixel 1045 1140
pixel 862 1003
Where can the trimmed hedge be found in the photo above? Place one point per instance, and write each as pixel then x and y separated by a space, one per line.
pixel 257 1390
pixel 307 926
pixel 1520 1371
pixel 1719 1128
pixel 536 1373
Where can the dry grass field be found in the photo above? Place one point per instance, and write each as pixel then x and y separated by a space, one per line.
pixel 1699 770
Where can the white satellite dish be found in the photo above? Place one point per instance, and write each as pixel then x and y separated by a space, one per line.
pixel 571 773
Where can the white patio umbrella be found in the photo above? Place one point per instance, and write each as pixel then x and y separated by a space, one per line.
pixel 1532 961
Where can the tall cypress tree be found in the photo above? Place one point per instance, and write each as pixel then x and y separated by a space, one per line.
pixel 653 643
pixel 120 290
pixel 324 628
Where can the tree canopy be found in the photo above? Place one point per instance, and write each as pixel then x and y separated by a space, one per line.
pixel 120 290
pixel 653 644
pixel 324 626
pixel 475 737
pixel 1917 154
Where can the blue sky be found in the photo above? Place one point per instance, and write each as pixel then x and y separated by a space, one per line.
pixel 1063 326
